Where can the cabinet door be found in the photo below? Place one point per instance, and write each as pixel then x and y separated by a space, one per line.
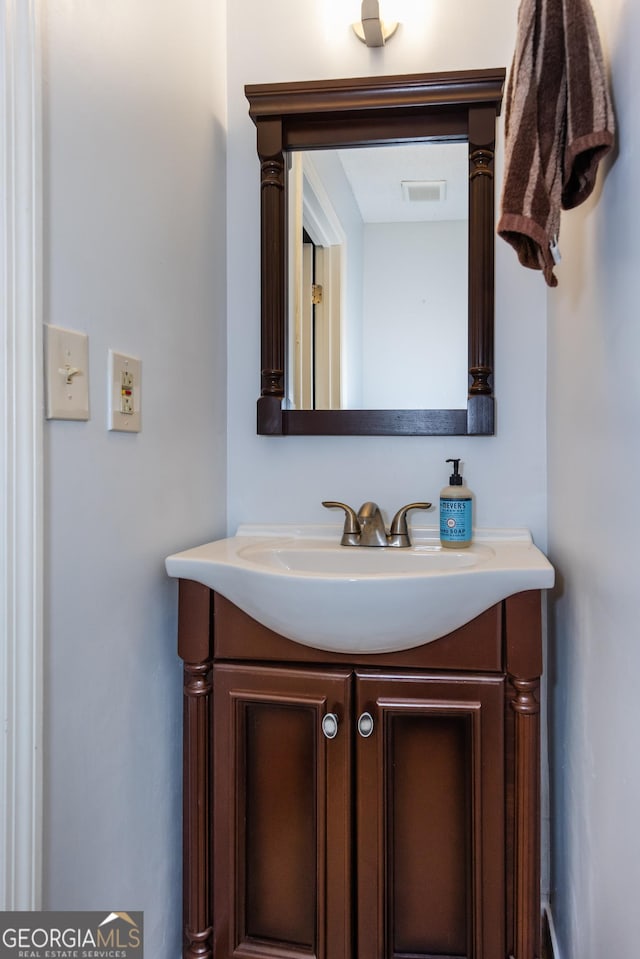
pixel 282 813
pixel 430 817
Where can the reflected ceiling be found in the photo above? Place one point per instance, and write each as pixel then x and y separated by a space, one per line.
pixel 377 175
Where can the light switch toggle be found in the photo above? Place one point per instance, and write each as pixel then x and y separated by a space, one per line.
pixel 69 372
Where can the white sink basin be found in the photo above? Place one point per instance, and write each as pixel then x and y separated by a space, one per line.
pixel 328 559
pixel 301 583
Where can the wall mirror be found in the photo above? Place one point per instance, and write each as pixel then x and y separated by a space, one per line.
pixel 377 250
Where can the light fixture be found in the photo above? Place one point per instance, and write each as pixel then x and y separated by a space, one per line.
pixel 372 30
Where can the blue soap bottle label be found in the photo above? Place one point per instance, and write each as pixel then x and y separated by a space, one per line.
pixel 455 520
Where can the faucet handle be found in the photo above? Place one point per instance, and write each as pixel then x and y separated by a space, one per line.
pixel 399 532
pixel 351 532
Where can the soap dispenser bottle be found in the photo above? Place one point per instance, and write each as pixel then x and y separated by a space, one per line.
pixel 456 508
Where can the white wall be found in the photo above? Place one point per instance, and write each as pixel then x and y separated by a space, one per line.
pixel 286 478
pixel 413 286
pixel 594 529
pixel 135 257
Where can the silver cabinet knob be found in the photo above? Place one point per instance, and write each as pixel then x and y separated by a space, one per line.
pixel 330 725
pixel 365 725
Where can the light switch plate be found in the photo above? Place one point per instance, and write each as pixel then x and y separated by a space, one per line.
pixel 67 374
pixel 125 393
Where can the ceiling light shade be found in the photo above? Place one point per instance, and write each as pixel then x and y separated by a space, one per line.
pixel 371 29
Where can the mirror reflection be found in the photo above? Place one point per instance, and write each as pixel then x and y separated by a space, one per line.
pixel 378 277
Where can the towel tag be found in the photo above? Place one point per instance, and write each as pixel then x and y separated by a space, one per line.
pixel 555 250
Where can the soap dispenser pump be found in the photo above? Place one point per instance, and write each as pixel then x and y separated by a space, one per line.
pixel 456 509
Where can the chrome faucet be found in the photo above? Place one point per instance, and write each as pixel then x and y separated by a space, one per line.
pixel 366 528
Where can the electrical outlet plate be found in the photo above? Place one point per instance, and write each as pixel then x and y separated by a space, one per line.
pixel 67 369
pixel 124 393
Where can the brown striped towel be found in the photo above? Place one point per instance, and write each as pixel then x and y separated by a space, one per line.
pixel 559 125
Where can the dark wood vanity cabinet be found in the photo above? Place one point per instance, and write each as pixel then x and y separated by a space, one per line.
pixel 360 807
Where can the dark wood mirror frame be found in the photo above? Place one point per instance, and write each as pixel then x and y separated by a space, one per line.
pixel 365 112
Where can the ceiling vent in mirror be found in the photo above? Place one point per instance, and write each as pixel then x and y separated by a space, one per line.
pixel 424 191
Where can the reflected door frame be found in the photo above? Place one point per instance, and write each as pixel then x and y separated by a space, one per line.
pixel 315 346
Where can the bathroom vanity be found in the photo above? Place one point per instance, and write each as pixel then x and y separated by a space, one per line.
pixel 369 805
pixel 362 725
